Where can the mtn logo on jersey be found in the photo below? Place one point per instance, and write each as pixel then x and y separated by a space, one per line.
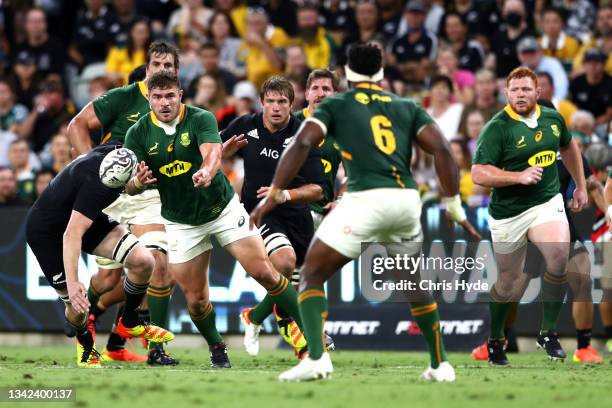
pixel 253 133
pixel 176 168
pixel 543 159
pixel 269 153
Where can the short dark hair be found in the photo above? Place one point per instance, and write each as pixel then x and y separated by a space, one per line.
pixel 442 79
pixel 162 47
pixel 321 74
pixel 43 171
pixel 547 76
pixel 364 59
pixel 277 84
pixel 163 80
pixel 560 12
pixel 18 141
pixel 209 45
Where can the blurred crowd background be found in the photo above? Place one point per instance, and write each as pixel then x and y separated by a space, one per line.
pixel 449 56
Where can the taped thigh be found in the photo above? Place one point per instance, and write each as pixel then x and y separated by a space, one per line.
pixel 124 247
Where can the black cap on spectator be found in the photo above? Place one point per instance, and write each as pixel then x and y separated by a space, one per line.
pixel 25 58
pixel 528 44
pixel 595 54
pixel 416 5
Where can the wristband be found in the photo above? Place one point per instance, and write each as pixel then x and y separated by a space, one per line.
pixel 287 195
pixel 274 193
pixel 454 208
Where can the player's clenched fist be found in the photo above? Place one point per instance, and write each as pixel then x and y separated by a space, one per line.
pixel 201 178
pixel 530 176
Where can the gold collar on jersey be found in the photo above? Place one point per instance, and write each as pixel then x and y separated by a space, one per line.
pixel 368 85
pixel 516 116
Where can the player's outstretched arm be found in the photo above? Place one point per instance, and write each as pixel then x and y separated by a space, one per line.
pixel 211 163
pixel 308 193
pixel 72 240
pixel 141 180
pixel 488 175
pixel 80 127
pixel 290 163
pixel 570 154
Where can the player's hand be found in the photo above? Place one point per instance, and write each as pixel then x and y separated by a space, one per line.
pixel 233 144
pixel 579 200
pixel 467 227
pixel 280 198
pixel 144 175
pixel 264 207
pixel 78 296
pixel 201 178
pixel 530 176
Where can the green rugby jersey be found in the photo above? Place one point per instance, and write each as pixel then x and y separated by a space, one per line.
pixel 330 158
pixel 120 108
pixel 509 144
pixel 374 131
pixel 174 159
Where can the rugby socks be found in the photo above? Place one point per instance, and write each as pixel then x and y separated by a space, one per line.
pixel 583 337
pixel 93 296
pixel 285 296
pixel 313 309
pixel 205 323
pixel 608 331
pixel 498 310
pixel 427 317
pixel 553 294
pixel 115 342
pixel 159 301
pixel 83 335
pixel 134 294
pixel 261 312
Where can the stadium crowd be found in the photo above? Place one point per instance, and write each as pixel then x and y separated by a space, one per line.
pixel 449 56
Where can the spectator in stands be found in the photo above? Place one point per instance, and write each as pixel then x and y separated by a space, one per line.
pixel 42 180
pixel 504 41
pixel 283 14
pixel 592 91
pixel 49 55
pixel 125 15
pixel 318 45
pixel 25 79
pixel 472 13
pixel 91 37
pixel 443 111
pixel 11 113
pixel 530 55
pixel 98 87
pixel 53 110
pixel 24 168
pixel 191 18
pixel 415 51
pixel 339 18
pixel 580 17
pixel 5 141
pixel 237 10
pixel 224 35
pixel 547 92
pixel 463 80
pixel 8 189
pixel 210 93
pixel 474 123
pixel 262 47
pixel 60 152
pixel 470 52
pixel 296 64
pixel 555 42
pixel 244 101
pixel 601 38
pixel 209 59
pixel 463 158
pixel 367 20
pixel 391 13
pixel 584 122
pixel 485 99
pixel 123 60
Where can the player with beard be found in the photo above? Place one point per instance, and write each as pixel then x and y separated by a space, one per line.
pixel 515 156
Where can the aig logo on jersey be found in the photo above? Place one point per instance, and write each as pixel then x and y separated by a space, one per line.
pixel 543 159
pixel 271 153
pixel 176 168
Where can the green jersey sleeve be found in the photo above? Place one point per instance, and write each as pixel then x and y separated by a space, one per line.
pixel 421 119
pixel 323 114
pixel 566 136
pixel 206 128
pixel 132 142
pixel 489 147
pixel 110 105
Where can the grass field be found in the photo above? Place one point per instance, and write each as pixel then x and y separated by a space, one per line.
pixel 361 379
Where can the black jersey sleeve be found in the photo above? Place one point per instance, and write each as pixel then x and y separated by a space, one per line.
pixel 93 196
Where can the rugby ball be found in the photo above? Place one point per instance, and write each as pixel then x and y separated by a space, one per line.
pixel 118 167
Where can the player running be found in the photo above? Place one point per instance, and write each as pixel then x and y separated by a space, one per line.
pixel 287 230
pixel 375 131
pixel 182 147
pixel 514 156
pixel 114 113
pixel 67 219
